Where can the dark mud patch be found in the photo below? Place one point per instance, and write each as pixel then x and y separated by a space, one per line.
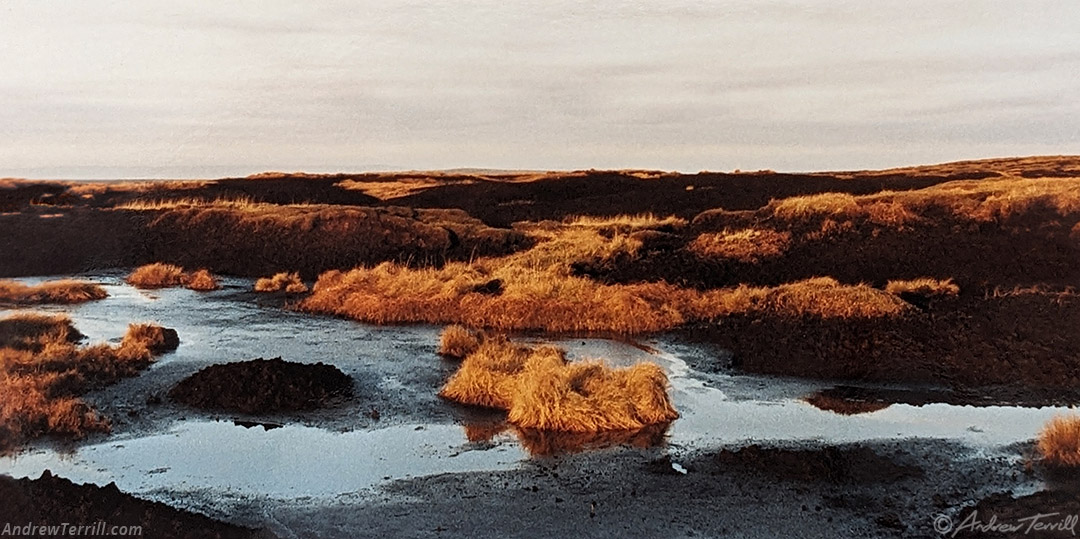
pixel 836 464
pixel 54 500
pixel 1046 514
pixel 263 386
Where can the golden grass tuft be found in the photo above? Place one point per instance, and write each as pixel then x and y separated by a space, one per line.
pixel 820 205
pixel 159 275
pixel 61 292
pixel 541 390
pixel 43 372
pixel 589 396
pixel 156 275
pixel 289 282
pixel 458 341
pixel 488 376
pixel 882 209
pixel 751 245
pixel 826 298
pixel 1059 441
pixel 201 280
pixel 154 338
pixel 925 287
pixel 627 223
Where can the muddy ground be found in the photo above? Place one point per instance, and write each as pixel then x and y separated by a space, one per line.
pixel 882 489
pixel 55 501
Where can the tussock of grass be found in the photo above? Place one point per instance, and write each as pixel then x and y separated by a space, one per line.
pixel 541 390
pixel 488 376
pixel 458 341
pixel 628 223
pixel 749 245
pixel 826 298
pixel 289 282
pixel 201 280
pixel 159 275
pixel 43 372
pixel 1059 441
pixel 156 275
pixel 590 396
pixel 63 292
pixel 926 287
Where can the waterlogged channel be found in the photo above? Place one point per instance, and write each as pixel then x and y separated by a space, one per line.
pixel 396 427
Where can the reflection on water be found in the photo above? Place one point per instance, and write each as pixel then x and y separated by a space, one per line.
pixel 284 462
pixel 823 400
pixel 547 443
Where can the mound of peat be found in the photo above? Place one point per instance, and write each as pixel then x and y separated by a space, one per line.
pixel 263 385
pixel 52 500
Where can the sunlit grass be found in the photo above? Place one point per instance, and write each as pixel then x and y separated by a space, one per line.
pixel 1059 441
pixel 540 389
pixel 43 371
pixel 62 292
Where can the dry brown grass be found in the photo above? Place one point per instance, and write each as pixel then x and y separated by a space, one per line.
pixel 590 396
pixel 458 341
pixel 925 287
pixel 156 275
pixel 43 372
pixel 201 280
pixel 749 245
pixel 63 291
pixel 843 207
pixel 628 223
pixel 289 282
pixel 159 275
pixel 537 290
pixel 541 390
pixel 236 203
pixel 488 376
pixel 988 200
pixel 1059 441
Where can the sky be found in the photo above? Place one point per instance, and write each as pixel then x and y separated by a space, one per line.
pixel 119 89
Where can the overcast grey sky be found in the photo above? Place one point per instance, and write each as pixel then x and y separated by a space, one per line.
pixel 152 88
